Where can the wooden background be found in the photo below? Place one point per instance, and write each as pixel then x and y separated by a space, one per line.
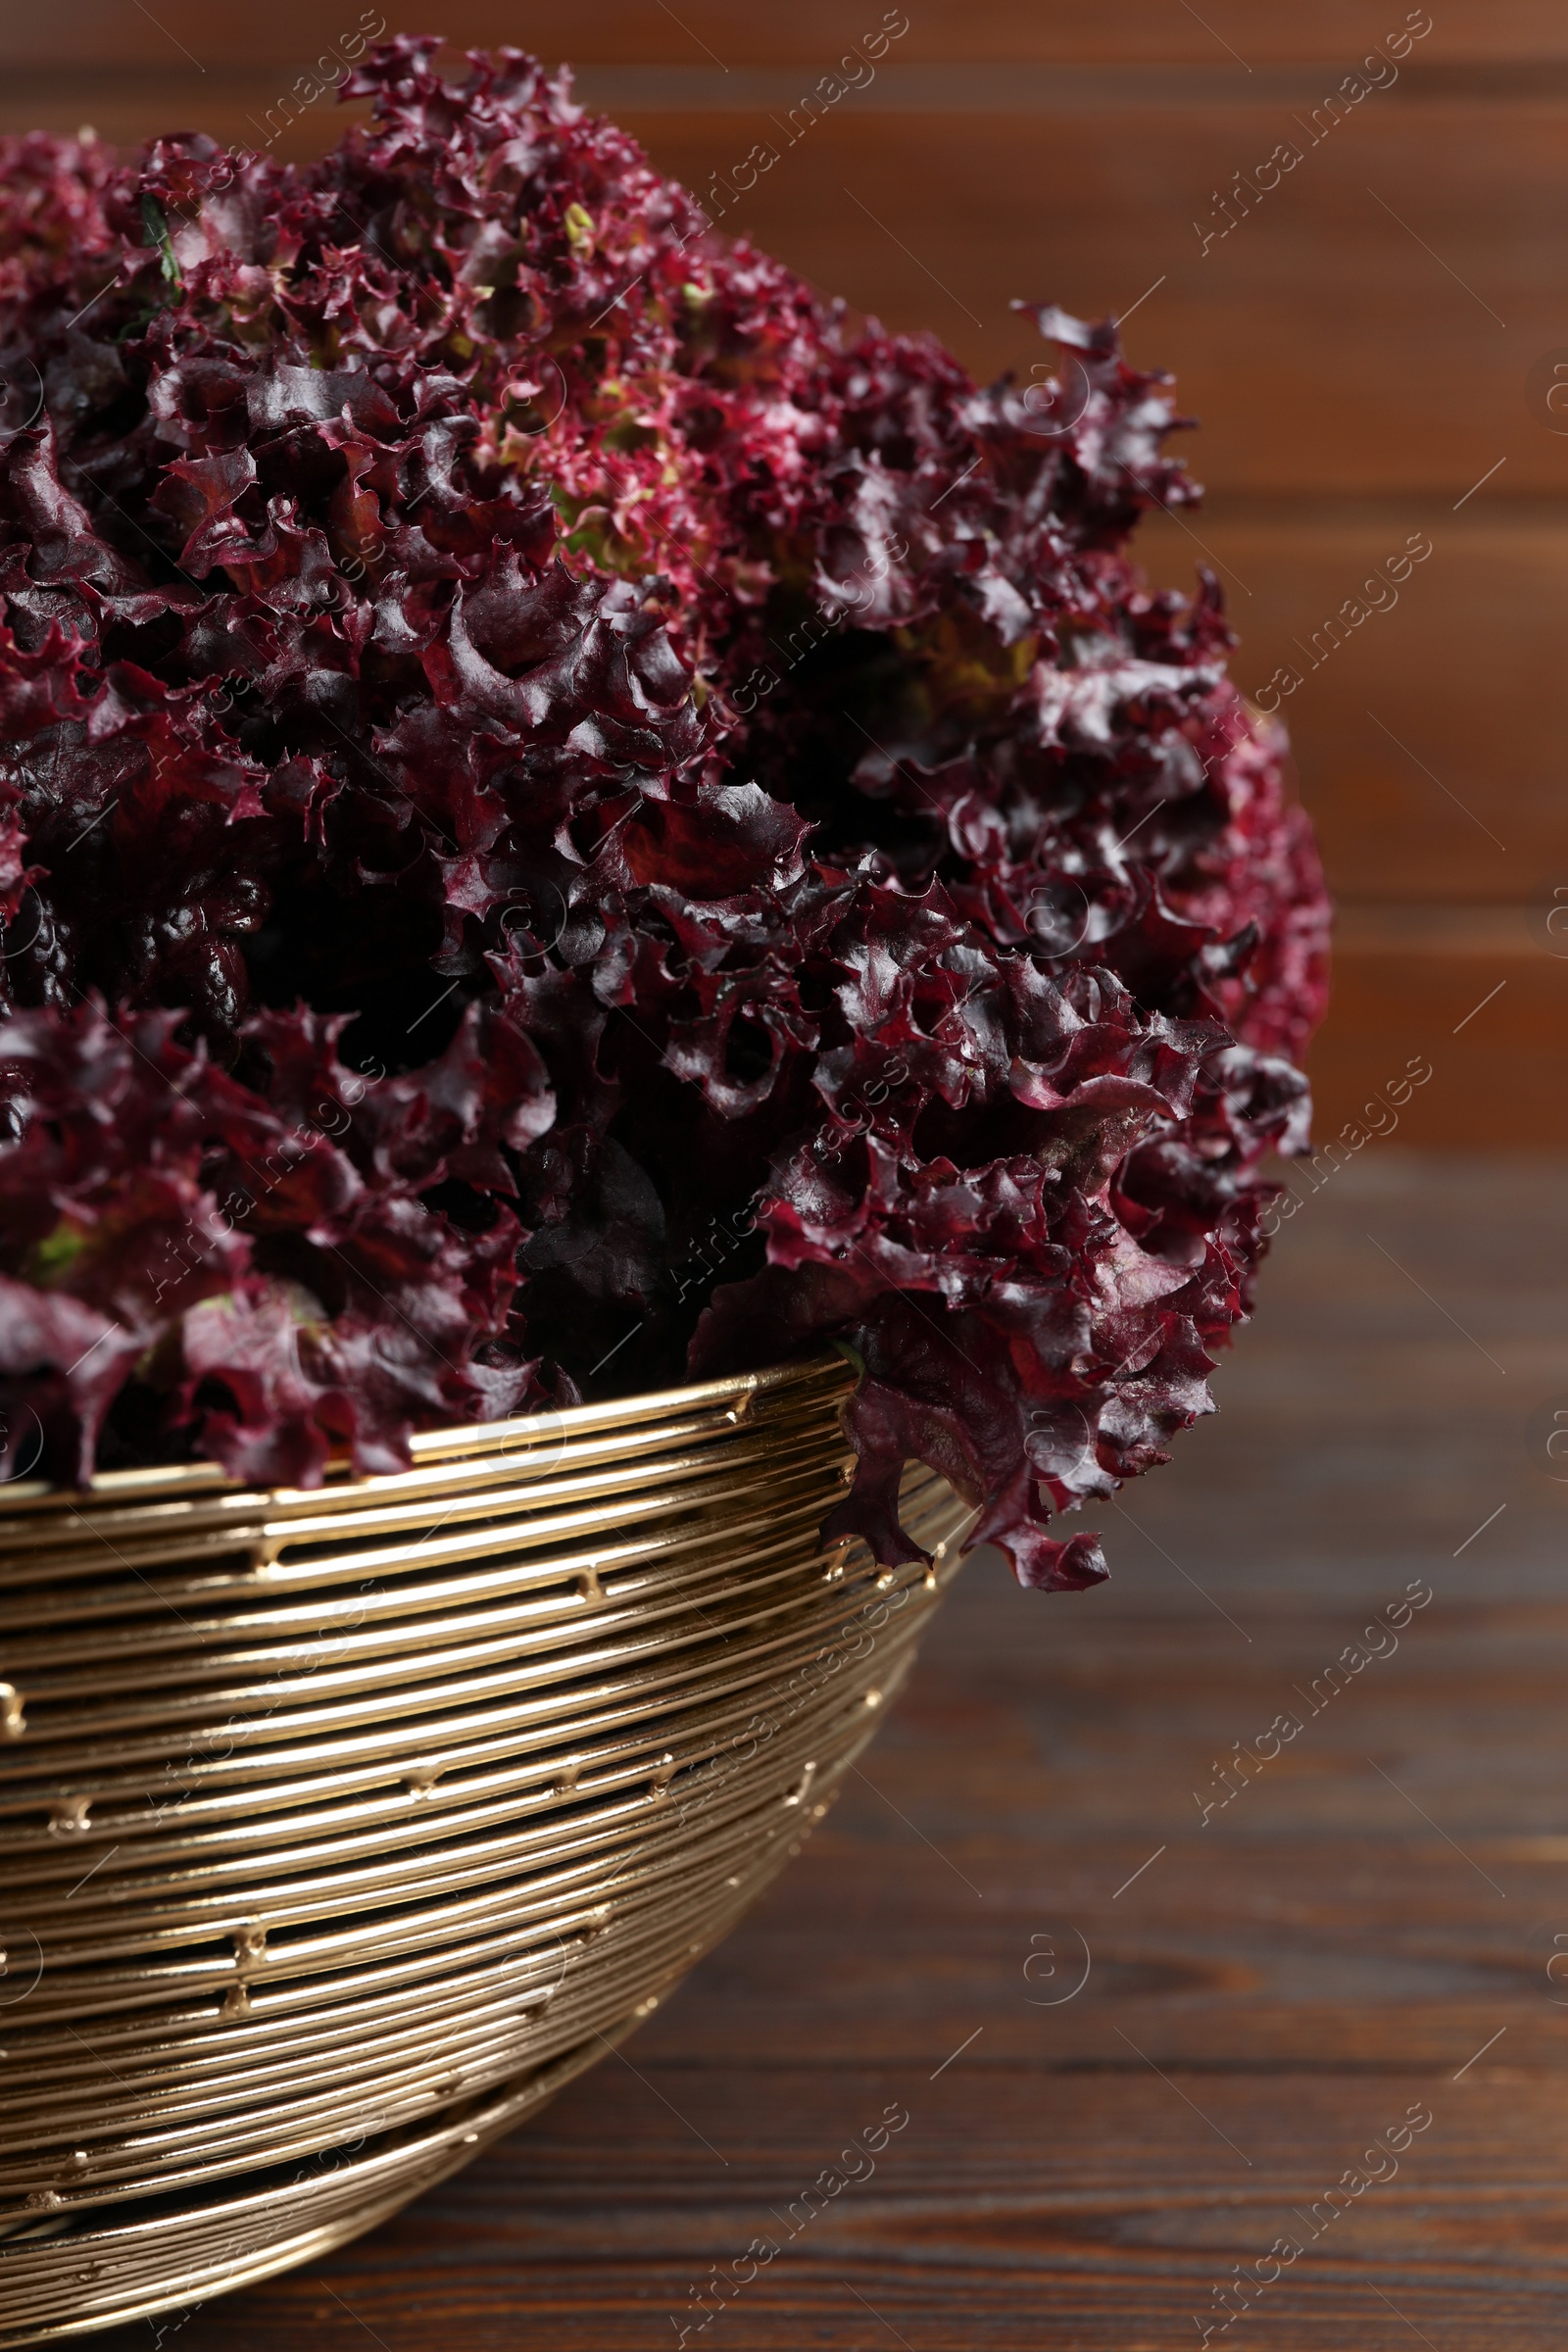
pixel 1374 1923
pixel 1378 1919
pixel 1370 343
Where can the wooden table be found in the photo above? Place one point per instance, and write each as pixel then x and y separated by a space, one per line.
pixel 1366 1929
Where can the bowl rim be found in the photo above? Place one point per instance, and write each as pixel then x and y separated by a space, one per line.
pixel 732 1397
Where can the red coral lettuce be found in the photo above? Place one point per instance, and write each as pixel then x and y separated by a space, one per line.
pixel 564 816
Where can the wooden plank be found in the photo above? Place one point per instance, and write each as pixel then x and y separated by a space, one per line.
pixel 880 76
pixel 1473 992
pixel 1234 33
pixel 1273 1989
pixel 1427 731
pixel 160 80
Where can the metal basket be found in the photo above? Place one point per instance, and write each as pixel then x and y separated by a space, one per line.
pixel 339 1828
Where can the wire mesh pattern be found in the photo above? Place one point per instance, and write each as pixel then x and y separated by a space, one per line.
pixel 339 1828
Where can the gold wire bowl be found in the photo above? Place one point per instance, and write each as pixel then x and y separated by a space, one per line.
pixel 339 1828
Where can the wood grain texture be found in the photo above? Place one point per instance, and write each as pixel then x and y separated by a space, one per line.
pixel 1235 34
pixel 1278 1986
pixel 1428 732
pixel 1479 992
